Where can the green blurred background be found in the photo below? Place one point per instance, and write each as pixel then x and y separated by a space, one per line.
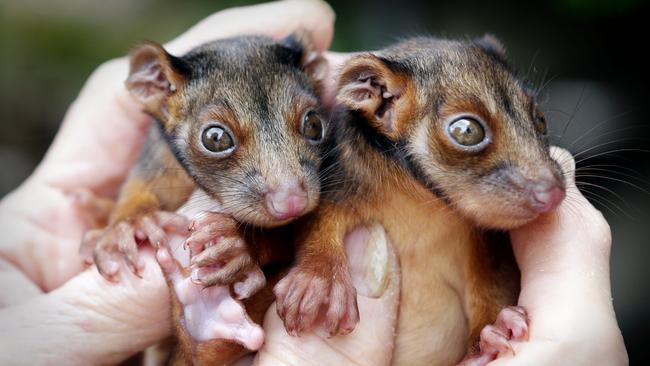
pixel 587 54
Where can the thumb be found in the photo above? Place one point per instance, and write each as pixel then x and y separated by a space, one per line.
pixel 375 272
pixel 112 321
pixel 276 19
pixel 565 286
pixel 568 241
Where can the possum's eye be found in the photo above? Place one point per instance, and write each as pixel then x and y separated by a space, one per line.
pixel 466 131
pixel 217 139
pixel 312 127
pixel 540 123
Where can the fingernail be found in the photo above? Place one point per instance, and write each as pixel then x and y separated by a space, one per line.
pixel 195 275
pixel 141 263
pixel 367 248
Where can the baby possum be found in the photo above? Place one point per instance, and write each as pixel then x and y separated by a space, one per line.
pixel 441 143
pixel 239 119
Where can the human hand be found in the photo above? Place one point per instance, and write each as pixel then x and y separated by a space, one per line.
pixel 565 285
pixel 82 319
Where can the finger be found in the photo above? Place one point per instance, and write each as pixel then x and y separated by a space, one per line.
pixel 275 19
pixel 110 322
pixel 168 263
pixel 564 261
pixel 16 286
pixel 567 163
pixel 335 61
pixel 558 240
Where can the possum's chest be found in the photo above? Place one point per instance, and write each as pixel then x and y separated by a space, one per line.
pixel 434 246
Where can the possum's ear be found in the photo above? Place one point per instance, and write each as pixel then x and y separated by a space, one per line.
pixel 154 75
pixel 369 84
pixel 300 45
pixel 491 45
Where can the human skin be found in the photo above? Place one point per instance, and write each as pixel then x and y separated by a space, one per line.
pixel 52 311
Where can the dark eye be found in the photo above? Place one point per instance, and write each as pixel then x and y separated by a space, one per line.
pixel 217 139
pixel 467 131
pixel 540 123
pixel 312 127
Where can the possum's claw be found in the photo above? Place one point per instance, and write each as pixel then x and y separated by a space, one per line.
pixel 304 294
pixel 220 256
pixel 511 326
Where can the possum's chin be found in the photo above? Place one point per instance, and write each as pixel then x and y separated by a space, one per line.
pixel 260 217
pixel 502 221
pixel 495 216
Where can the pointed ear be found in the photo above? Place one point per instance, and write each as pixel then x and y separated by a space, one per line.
pixel 154 75
pixel 492 46
pixel 367 84
pixel 306 55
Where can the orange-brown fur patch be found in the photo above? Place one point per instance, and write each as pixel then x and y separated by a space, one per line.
pixel 135 200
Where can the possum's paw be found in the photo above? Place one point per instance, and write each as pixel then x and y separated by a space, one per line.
pixel 304 294
pixel 511 326
pixel 105 247
pixel 220 256
pixel 210 313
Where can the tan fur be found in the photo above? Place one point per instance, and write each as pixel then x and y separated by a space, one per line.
pixel 135 200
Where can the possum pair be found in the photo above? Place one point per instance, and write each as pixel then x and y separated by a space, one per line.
pixel 437 141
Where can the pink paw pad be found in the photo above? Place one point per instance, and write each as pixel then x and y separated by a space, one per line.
pixel 209 313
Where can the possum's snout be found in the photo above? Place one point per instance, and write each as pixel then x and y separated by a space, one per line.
pixel 288 200
pixel 546 195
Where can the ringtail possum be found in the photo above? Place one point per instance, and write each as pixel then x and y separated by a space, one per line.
pixel 445 146
pixel 238 119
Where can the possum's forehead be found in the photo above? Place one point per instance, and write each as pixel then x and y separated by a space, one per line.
pixel 257 88
pixel 450 72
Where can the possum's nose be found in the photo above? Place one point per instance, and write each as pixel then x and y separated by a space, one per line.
pixel 547 199
pixel 546 193
pixel 288 200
